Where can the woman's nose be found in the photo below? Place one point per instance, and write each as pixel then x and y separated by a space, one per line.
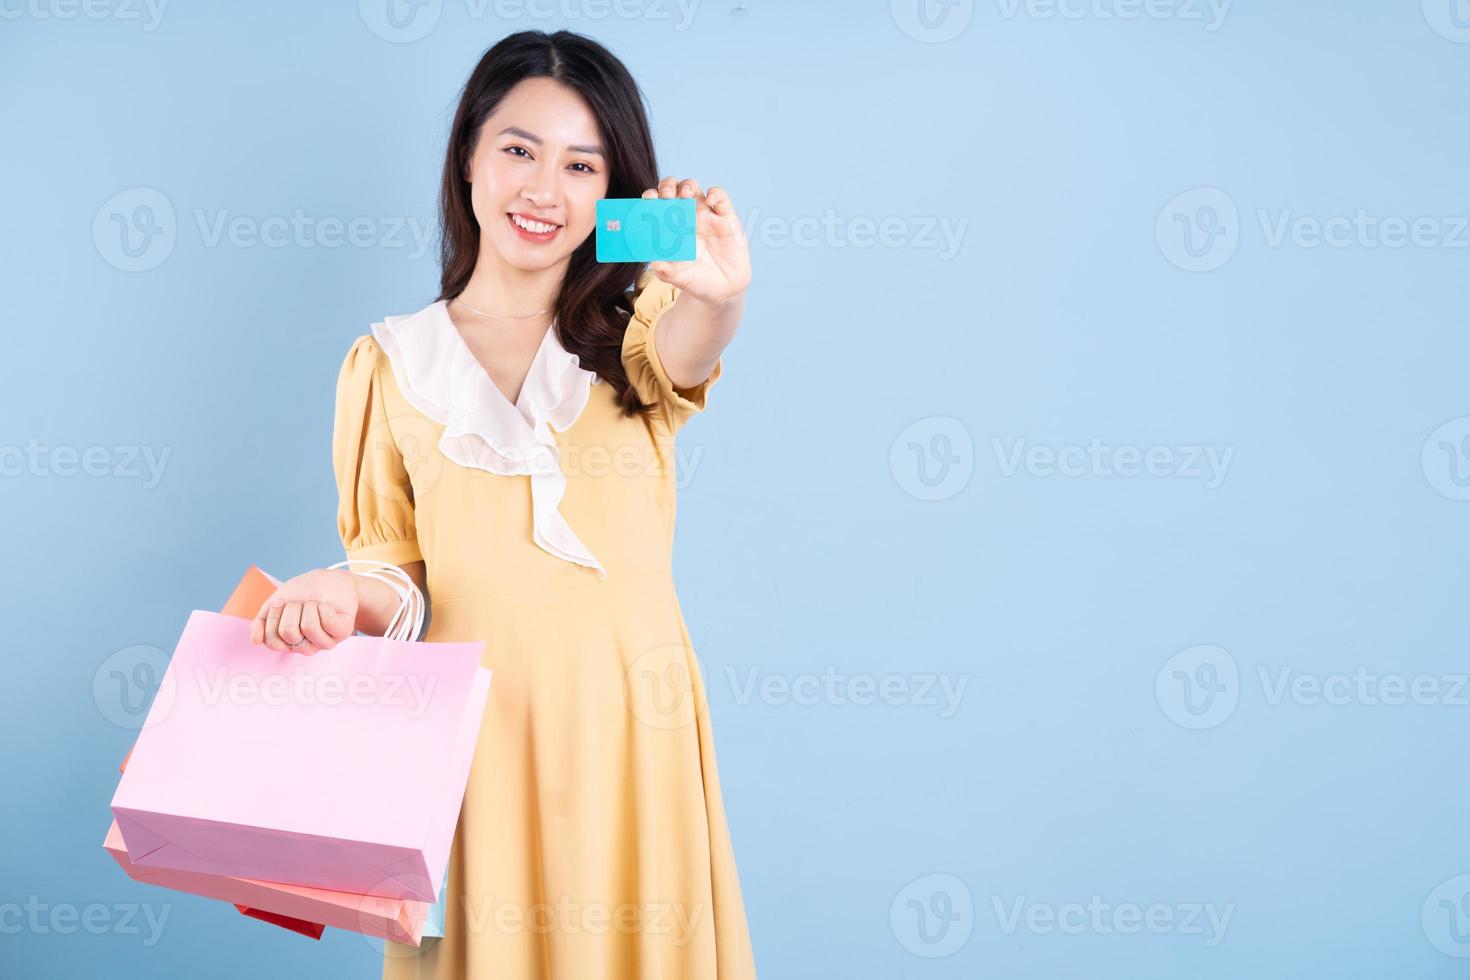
pixel 541 188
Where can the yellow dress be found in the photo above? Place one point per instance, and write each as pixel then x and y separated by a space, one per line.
pixel 592 842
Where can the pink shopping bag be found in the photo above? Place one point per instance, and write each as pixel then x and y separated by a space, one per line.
pixel 253 589
pixel 250 594
pixel 296 907
pixel 344 770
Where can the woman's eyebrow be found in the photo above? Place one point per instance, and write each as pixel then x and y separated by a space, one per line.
pixel 518 131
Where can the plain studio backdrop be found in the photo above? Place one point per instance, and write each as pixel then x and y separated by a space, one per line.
pixel 1074 546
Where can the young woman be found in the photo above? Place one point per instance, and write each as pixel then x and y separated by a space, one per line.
pixel 510 448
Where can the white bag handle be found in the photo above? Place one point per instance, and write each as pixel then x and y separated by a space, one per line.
pixel 408 621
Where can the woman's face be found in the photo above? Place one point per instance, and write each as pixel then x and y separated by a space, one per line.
pixel 538 158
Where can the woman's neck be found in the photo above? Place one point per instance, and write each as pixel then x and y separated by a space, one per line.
pixel 500 288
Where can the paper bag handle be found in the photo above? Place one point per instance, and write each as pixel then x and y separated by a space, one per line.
pixel 408 620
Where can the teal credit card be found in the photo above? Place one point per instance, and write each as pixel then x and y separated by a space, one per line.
pixel 645 229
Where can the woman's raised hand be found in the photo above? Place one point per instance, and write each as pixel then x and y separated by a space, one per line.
pixel 720 271
pixel 314 611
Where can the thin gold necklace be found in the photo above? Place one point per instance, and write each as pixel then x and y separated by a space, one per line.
pixel 500 316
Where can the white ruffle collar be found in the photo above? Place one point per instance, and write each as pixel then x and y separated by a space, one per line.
pixel 439 375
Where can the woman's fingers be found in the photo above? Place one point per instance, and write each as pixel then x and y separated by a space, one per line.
pixel 257 625
pixel 336 623
pixel 719 201
pixel 311 628
pixel 272 624
pixel 290 628
pixel 689 187
pixel 309 620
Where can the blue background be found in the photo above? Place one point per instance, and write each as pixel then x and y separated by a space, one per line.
pixel 1091 752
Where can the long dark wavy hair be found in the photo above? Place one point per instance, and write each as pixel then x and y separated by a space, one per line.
pixel 595 301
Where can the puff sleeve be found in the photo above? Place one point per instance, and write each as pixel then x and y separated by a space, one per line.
pixel 375 508
pixel 640 357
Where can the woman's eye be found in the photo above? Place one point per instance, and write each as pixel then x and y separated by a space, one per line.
pixel 519 150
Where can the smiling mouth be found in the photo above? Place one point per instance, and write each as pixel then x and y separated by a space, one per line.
pixel 531 229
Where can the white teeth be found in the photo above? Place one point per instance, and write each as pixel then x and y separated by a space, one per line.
pixel 538 227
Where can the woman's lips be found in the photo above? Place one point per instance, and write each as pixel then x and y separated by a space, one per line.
pixel 531 236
